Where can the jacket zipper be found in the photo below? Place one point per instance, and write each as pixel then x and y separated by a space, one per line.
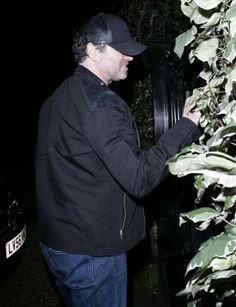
pixel 124 219
pixel 144 223
pixel 125 195
pixel 144 217
pixel 138 137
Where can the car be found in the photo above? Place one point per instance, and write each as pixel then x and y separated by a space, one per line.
pixel 12 232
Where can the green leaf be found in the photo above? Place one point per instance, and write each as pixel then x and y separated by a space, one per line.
pixel 188 7
pixel 231 16
pixel 229 201
pixel 193 303
pixel 198 215
pixel 193 289
pixel 204 225
pixel 230 117
pixel 208 4
pixel 196 284
pixel 216 247
pixel 205 75
pixel 230 51
pixel 226 107
pixel 182 163
pixel 199 182
pixel 224 132
pixel 198 16
pixel 184 39
pixel 231 228
pixel 214 19
pixel 191 56
pixel 206 51
pixel 222 275
pixel 215 82
pixel 226 196
pixel 217 167
pixel 231 78
pixel 220 264
pixel 214 166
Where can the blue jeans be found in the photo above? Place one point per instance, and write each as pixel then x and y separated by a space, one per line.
pixel 88 281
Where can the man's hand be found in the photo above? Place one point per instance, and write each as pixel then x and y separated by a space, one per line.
pixel 189 111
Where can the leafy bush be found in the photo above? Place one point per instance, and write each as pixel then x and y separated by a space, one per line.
pixel 211 41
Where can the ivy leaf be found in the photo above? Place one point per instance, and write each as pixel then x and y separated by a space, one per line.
pixel 231 228
pixel 229 203
pixel 231 16
pixel 214 45
pixel 226 197
pixel 214 19
pixel 199 16
pixel 183 40
pixel 222 275
pixel 217 167
pixel 220 264
pixel 227 107
pixel 205 75
pixel 232 116
pixel 206 51
pixel 187 163
pixel 215 82
pixel 208 4
pixel 221 134
pixel 188 7
pixel 196 285
pixel 231 78
pixel 198 215
pixel 216 247
pixel 193 289
pixel 204 225
pixel 230 52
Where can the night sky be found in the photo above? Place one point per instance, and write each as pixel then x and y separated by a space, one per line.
pixel 36 46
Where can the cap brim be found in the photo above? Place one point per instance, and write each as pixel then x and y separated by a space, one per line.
pixel 130 47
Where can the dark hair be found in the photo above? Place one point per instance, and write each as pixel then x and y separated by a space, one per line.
pixel 93 31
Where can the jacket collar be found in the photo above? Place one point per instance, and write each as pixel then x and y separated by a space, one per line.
pixel 81 69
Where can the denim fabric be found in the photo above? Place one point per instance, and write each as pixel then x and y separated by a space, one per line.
pixel 87 281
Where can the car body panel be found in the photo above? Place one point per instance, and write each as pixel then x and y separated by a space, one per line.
pixel 12 233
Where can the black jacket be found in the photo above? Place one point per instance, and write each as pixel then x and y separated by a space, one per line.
pixel 90 168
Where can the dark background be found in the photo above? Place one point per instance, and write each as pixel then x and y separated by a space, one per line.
pixel 36 57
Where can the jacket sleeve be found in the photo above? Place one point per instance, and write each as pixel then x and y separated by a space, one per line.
pixel 111 133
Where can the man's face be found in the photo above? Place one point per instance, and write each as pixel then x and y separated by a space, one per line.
pixel 113 65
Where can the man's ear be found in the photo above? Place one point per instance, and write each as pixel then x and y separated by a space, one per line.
pixel 92 51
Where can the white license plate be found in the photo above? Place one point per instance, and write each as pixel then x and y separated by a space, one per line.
pixel 15 244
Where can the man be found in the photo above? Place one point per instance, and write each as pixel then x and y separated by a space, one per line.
pixel 90 169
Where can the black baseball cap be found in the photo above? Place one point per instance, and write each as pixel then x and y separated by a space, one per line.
pixel 118 35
